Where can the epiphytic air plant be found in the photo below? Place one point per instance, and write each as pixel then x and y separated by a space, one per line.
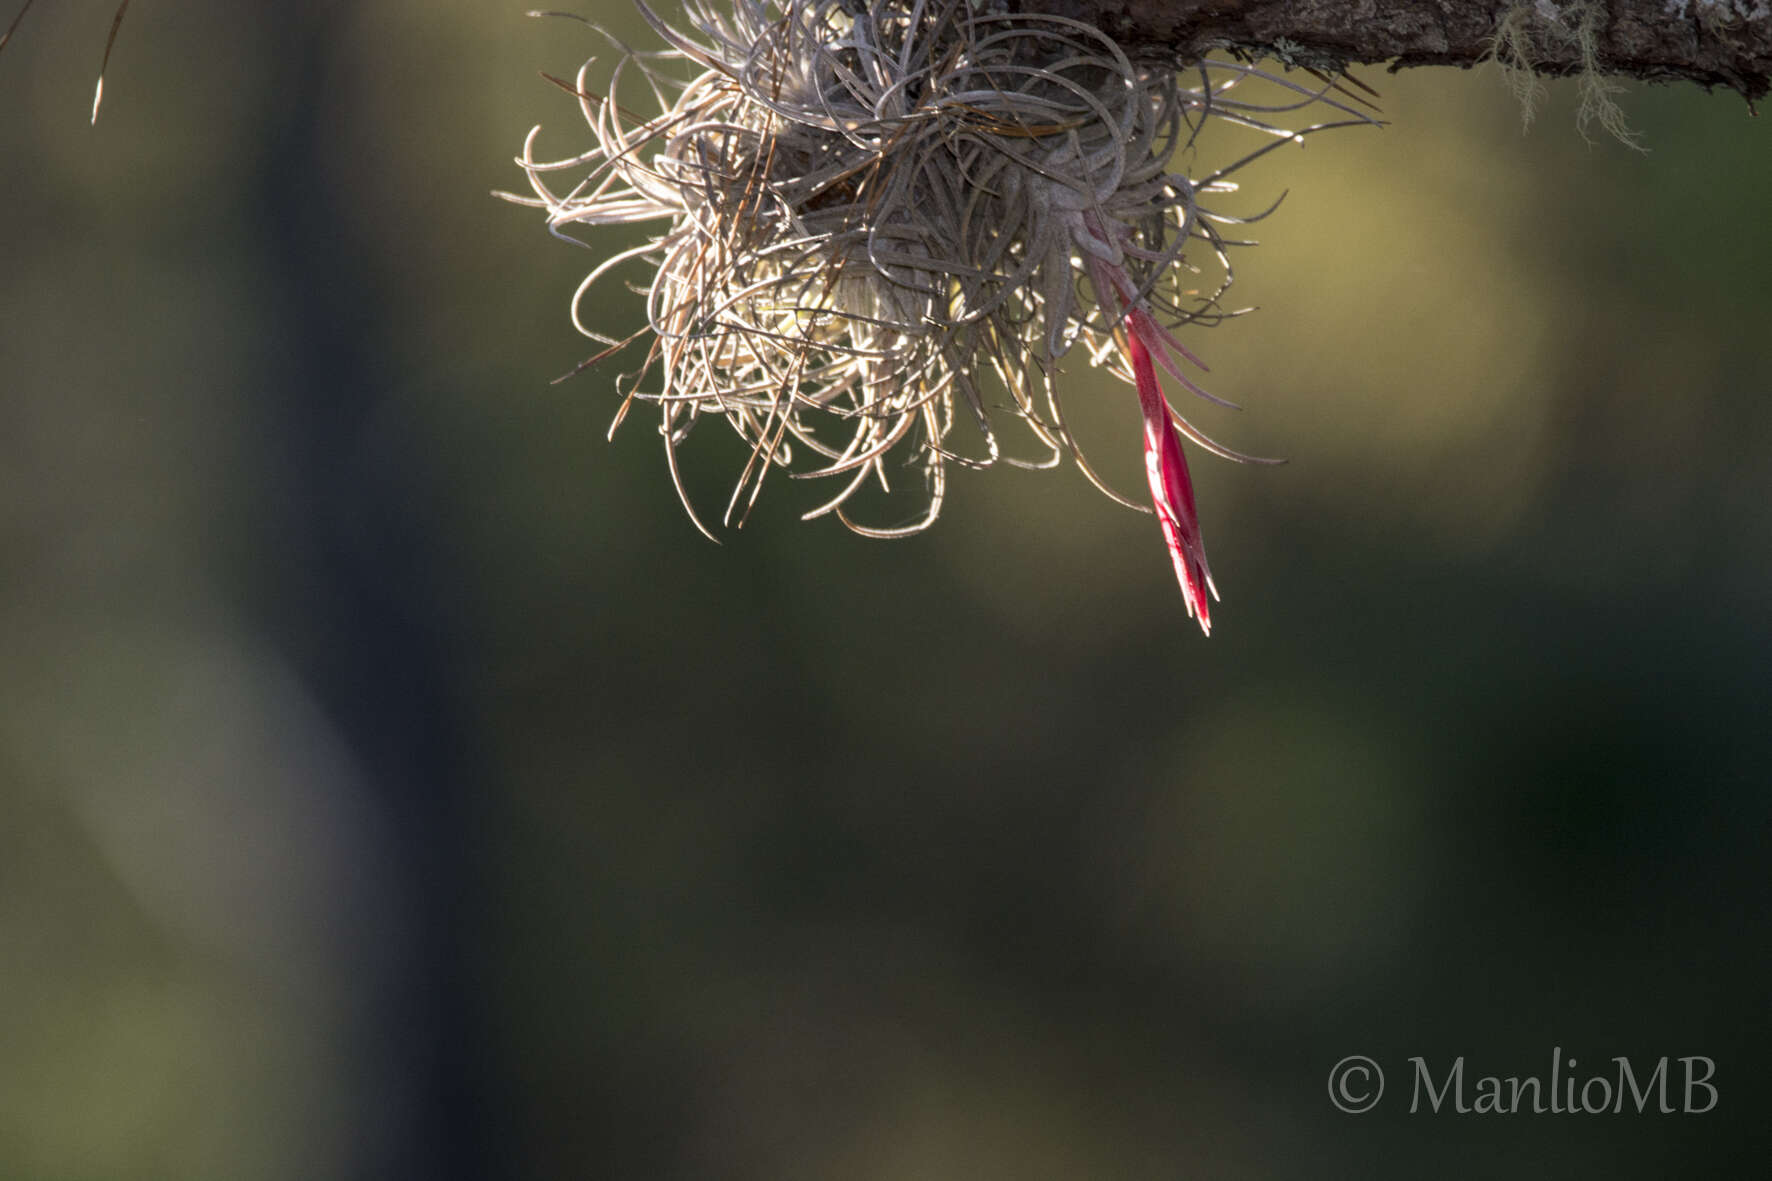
pixel 868 210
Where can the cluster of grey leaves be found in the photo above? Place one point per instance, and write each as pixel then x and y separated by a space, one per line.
pixel 873 218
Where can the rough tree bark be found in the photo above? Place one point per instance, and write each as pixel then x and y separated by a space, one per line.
pixel 1712 42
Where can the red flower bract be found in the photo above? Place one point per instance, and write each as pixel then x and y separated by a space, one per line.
pixel 1172 490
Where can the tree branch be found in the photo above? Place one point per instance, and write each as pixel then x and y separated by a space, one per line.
pixel 1711 42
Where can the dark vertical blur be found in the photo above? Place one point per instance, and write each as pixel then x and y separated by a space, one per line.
pixel 347 579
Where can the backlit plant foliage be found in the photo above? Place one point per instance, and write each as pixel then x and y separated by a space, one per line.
pixel 871 221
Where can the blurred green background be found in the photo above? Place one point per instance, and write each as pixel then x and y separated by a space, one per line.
pixel 396 786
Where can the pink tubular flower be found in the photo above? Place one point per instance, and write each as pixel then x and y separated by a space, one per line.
pixel 1148 343
pixel 1172 490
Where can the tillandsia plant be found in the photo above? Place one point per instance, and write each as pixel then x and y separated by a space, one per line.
pixel 875 218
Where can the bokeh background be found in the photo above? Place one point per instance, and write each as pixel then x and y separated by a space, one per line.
pixel 394 785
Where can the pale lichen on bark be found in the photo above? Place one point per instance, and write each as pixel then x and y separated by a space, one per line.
pixel 1726 43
